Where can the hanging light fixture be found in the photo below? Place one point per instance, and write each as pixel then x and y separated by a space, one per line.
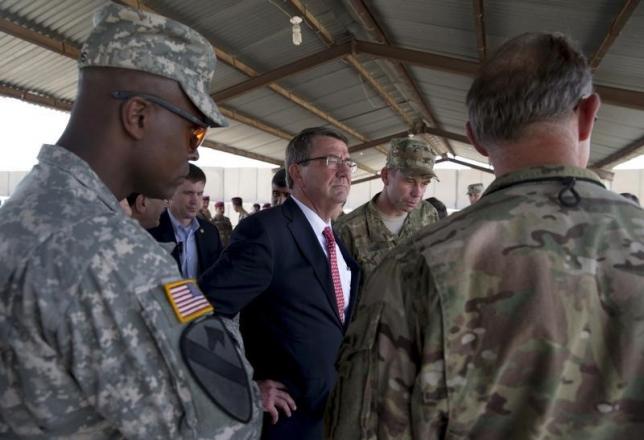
pixel 297 30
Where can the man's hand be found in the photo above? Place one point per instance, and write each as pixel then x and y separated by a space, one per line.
pixel 274 396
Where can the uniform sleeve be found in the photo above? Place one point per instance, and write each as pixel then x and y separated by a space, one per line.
pixel 116 342
pixel 391 381
pixel 433 215
pixel 344 232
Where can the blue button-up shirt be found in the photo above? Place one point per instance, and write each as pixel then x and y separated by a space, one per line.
pixel 188 257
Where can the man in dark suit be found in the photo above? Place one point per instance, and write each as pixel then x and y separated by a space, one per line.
pixel 294 285
pixel 197 243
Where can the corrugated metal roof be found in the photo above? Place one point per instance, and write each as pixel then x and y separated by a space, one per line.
pixel 615 128
pixel 33 68
pixel 258 33
pixel 623 65
pixel 255 31
pixel 447 94
pixel 584 22
pixel 436 26
pixel 68 18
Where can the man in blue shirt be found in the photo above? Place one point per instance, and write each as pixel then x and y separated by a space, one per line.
pixel 197 241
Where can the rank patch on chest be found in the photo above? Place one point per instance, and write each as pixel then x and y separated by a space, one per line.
pixel 186 300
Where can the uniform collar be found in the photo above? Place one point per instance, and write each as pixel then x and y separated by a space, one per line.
pixel 540 173
pixel 67 162
pixel 176 224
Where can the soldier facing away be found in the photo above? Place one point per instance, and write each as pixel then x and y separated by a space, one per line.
pixel 395 213
pixel 518 317
pixel 101 338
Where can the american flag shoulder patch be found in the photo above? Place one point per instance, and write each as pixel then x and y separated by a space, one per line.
pixel 186 300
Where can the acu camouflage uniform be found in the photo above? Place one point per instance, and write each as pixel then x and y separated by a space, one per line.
pixel 368 239
pixel 90 345
pixel 521 318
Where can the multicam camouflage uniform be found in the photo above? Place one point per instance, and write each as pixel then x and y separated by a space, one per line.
pixel 363 231
pixel 89 342
pixel 225 228
pixel 521 318
pixel 368 239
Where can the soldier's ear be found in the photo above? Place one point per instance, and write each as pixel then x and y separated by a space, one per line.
pixel 474 141
pixel 384 175
pixel 587 114
pixel 135 117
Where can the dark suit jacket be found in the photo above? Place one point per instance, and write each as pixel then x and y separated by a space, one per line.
pixel 207 239
pixel 275 272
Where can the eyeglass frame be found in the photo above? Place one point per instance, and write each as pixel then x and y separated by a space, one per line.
pixel 124 95
pixel 337 160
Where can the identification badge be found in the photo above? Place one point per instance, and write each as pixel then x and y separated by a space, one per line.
pixel 187 300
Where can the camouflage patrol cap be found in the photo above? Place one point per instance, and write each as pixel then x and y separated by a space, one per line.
pixel 130 39
pixel 411 156
pixel 475 188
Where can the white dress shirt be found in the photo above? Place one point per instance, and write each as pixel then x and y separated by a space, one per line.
pixel 318 225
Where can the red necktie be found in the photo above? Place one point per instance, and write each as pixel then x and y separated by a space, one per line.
pixel 335 273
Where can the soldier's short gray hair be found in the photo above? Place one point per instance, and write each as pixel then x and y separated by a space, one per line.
pixel 299 148
pixel 533 77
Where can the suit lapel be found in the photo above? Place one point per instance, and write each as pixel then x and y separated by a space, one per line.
pixel 201 248
pixel 166 233
pixel 309 246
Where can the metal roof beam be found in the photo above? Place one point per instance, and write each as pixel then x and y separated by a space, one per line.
pixel 479 26
pixel 239 152
pixel 300 65
pixel 72 50
pixel 611 95
pixel 446 134
pixel 467 164
pixel 423 129
pixel 36 98
pixel 621 97
pixel 68 49
pixel 371 25
pixel 614 30
pixel 245 119
pixel 632 149
pixel 353 61
pixel 376 142
pixel 246 69
pixel 419 58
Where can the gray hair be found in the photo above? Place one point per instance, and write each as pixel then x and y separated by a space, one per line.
pixel 299 148
pixel 533 77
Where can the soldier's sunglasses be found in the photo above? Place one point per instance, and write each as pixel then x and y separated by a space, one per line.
pixel 198 132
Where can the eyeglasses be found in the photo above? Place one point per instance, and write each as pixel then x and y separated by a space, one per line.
pixel 333 162
pixel 198 132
